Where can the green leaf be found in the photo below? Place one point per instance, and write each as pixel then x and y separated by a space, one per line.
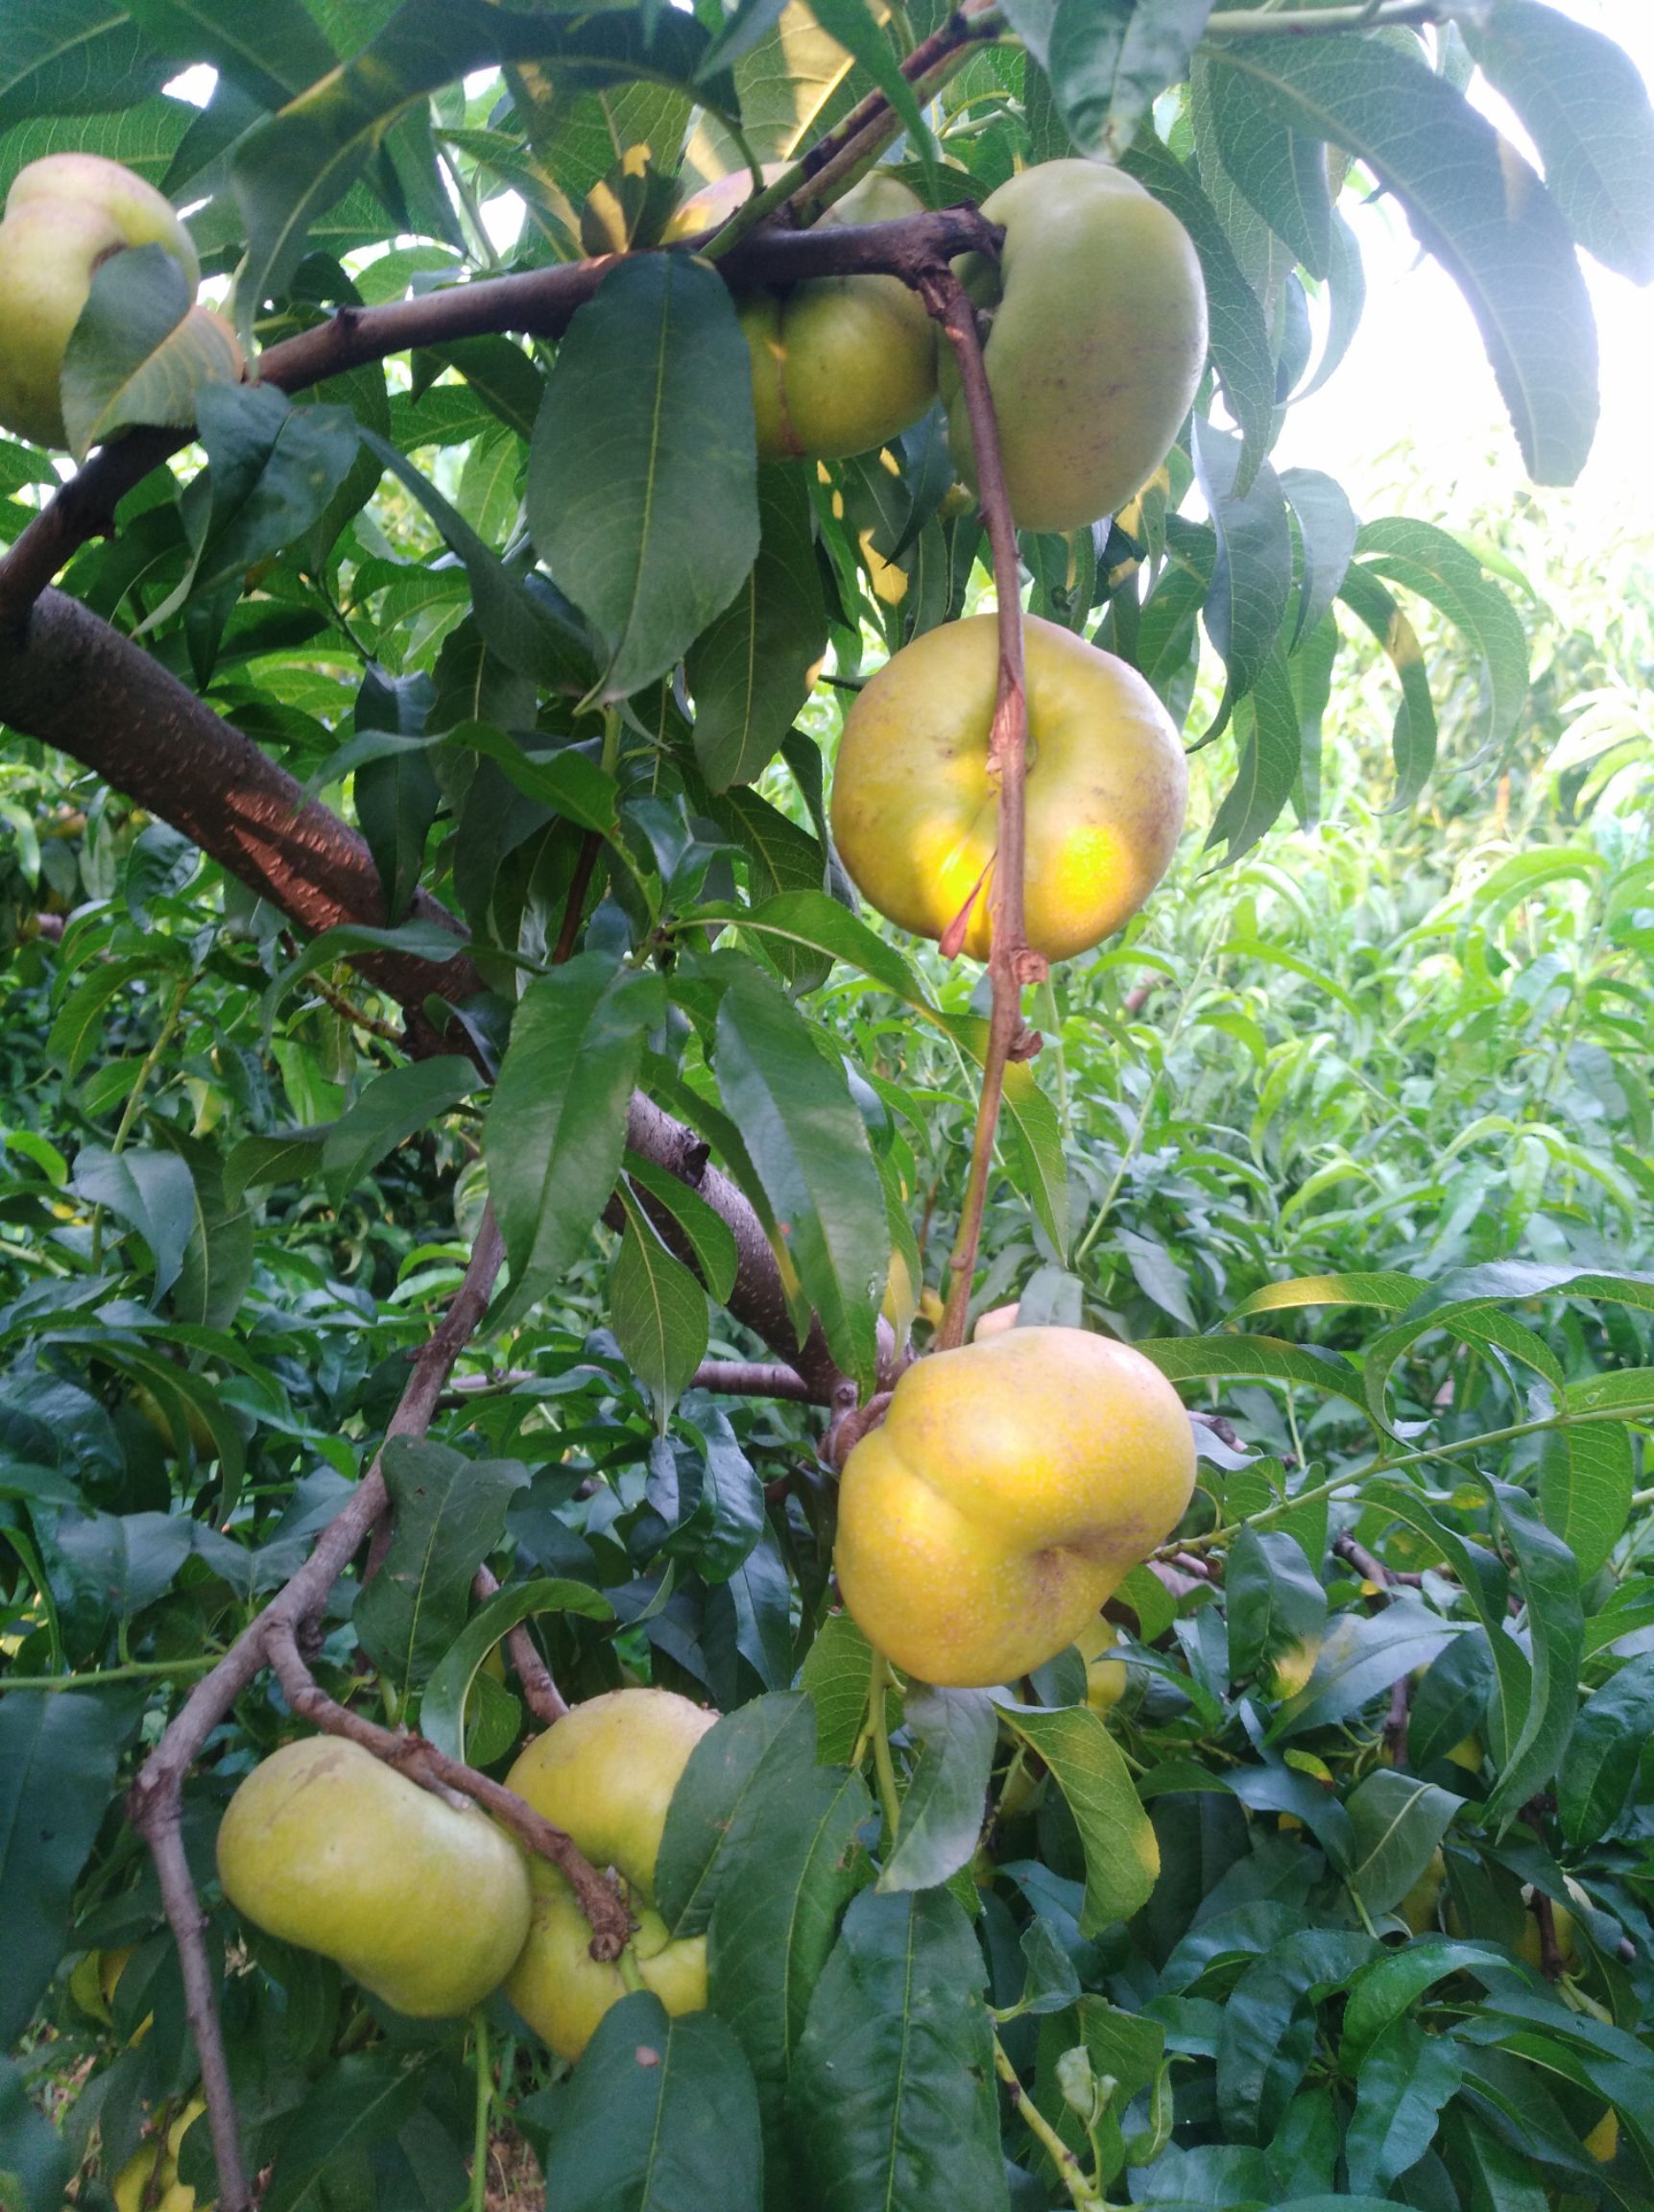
pixel 1276 1600
pixel 1486 1583
pixel 1123 1857
pixel 58 1760
pixel 657 1310
pixel 707 1235
pixel 1252 578
pixel 1604 1750
pixel 442 1705
pixel 943 1805
pixel 749 672
pixel 834 1677
pixel 1413 740
pixel 361 2098
pixel 393 1108
pixel 641 487
pixel 1281 173
pixel 1387 1989
pixel 274 468
pixel 1362 1654
pixel 1387 1291
pixel 1327 533
pixel 557 1127
pixel 31 2152
pixel 1271 756
pixel 808 1144
pixel 76 58
pixel 659 2115
pixel 530 630
pixel 1268 2031
pixel 851 23
pixel 140 352
pixel 217 1264
pixel 1242 353
pixel 151 1192
pixel 816 922
pixel 1108 62
pixel 1267 1359
pixel 449 1514
pixel 717 1802
pixel 1472 203
pixel 1406 2078
pixel 292 168
pixel 892 2094
pixel 1584 105
pixel 1399 1821
pixel 1423 559
pixel 1587 1479
pixel 789 1872
pixel 1550 1576
pixel 281 55
pixel 1034 1151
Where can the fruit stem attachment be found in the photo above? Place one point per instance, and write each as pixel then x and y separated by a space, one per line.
pixel 1083 2192
pixel 1011 962
pixel 879 1682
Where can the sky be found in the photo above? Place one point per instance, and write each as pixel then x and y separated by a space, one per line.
pixel 1417 374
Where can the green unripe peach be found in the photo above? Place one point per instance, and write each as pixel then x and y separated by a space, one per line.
pixel 423 1903
pixel 1097 345
pixel 840 364
pixel 64 215
pixel 604 1773
pixel 1106 1678
pixel 1418 1907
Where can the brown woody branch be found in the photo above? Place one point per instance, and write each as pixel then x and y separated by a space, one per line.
pixel 78 685
pixel 155 1803
pixel 537 303
pixel 1011 963
pixel 602 1905
pixel 540 1693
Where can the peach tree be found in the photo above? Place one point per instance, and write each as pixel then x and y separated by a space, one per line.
pixel 476 1169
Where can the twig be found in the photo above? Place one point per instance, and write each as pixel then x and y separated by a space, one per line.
pixel 1082 2191
pixel 1399 1718
pixel 752 1379
pixel 423 1763
pixel 1011 963
pixel 541 1693
pixel 590 845
pixel 538 303
pixel 348 1011
pixel 155 1803
pixel 1360 15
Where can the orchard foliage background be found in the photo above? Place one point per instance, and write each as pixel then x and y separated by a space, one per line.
pixel 1352 1131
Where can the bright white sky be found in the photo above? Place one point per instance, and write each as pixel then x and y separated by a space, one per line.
pixel 1416 373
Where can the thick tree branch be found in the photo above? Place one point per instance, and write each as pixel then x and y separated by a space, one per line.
pixel 77 683
pixel 538 303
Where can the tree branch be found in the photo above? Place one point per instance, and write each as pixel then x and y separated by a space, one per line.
pixel 155 1799
pixel 537 303
pixel 1011 964
pixel 540 1693
pixel 605 1909
pixel 76 683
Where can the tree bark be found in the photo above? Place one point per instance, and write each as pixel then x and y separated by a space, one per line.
pixel 77 683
